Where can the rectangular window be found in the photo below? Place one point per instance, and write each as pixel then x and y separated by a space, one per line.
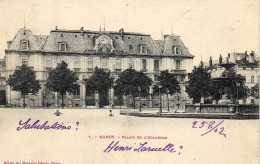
pixel 118 63
pixel 24 61
pixel 178 64
pixel 48 61
pixel 156 78
pixel 24 45
pixel 144 64
pixel 252 79
pixel 178 50
pixel 173 50
pixel 156 64
pixel 76 62
pixel 144 49
pixel 104 63
pixel 130 48
pixel 90 63
pixel 77 90
pixel 131 63
pixel 252 101
pixel 62 46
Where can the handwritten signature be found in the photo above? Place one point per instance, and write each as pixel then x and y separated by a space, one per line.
pixel 142 147
pixel 211 126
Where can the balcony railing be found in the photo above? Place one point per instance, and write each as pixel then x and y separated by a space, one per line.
pixel 178 71
pixel 76 69
pixel 118 70
pixel 48 68
pixel 90 69
pixel 76 96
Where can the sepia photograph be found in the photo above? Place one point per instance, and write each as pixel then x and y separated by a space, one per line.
pixel 129 82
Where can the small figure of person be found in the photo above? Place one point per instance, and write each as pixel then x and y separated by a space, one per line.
pixel 57 113
pixel 111 114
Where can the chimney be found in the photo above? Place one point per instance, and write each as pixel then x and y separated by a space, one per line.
pixel 121 31
pixel 9 44
pixel 220 59
pixel 165 36
pixel 82 31
pixel 56 27
pixel 252 57
pixel 210 61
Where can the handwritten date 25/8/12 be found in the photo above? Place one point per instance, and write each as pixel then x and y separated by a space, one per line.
pixel 211 126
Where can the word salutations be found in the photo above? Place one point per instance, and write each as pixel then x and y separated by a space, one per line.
pixel 29 124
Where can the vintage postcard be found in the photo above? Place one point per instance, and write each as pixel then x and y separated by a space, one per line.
pixel 129 82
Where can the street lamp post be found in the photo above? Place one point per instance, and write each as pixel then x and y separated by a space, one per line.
pixel 178 100
pixel 168 100
pixel 160 107
pixel 140 105
pixel 237 102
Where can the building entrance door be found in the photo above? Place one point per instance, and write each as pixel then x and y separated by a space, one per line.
pixel 90 98
pixel 2 98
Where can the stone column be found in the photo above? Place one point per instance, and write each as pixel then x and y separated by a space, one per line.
pixel 40 98
pixel 111 97
pixel 83 96
pixel 56 99
pixel 150 97
pixel 96 99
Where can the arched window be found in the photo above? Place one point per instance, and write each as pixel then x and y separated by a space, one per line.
pixel 24 44
pixel 62 46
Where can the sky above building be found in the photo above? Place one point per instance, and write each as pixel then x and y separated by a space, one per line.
pixel 207 28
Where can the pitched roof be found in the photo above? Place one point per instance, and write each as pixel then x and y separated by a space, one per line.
pixel 78 41
pixel 24 34
pixel 174 41
pixel 81 41
pixel 41 39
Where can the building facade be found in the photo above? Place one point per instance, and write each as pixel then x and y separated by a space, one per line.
pixel 84 50
pixel 2 82
pixel 247 65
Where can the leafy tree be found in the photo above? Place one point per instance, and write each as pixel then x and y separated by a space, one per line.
pixel 24 80
pixel 129 81
pixel 169 83
pixel 255 91
pixel 100 81
pixel 62 80
pixel 229 83
pixel 198 84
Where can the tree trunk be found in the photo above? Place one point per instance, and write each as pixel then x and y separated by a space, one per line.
pixel 62 104
pixel 23 100
pixel 134 102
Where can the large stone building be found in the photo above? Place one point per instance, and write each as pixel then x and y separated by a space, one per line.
pixel 84 50
pixel 247 65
